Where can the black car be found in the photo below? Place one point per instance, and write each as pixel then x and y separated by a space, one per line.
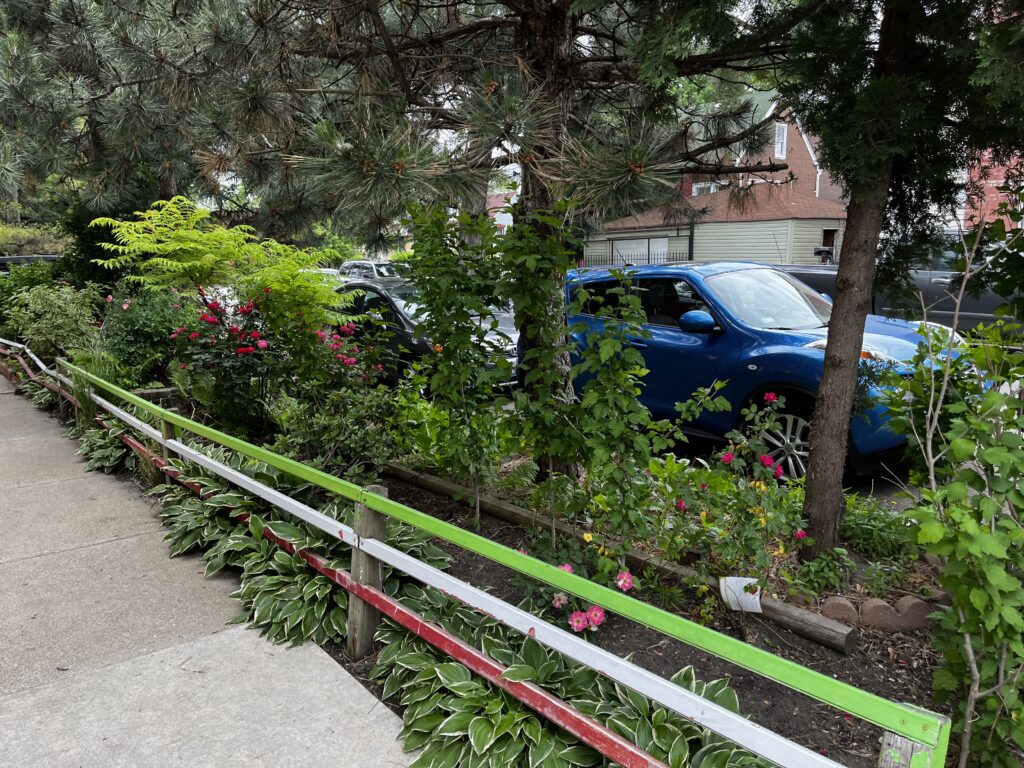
pixel 395 304
pixel 936 281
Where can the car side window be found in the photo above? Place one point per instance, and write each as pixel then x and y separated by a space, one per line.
pixel 377 306
pixel 599 297
pixel 665 300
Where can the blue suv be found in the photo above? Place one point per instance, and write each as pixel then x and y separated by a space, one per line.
pixel 752 326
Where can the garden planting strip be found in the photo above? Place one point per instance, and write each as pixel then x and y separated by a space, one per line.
pixel 821 629
pixel 926 733
pixel 691 706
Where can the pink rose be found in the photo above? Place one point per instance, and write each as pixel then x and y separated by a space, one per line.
pixel 348 361
pixel 624 581
pixel 565 567
pixel 595 616
pixel 126 305
pixel 800 535
pixel 778 472
pixel 578 621
pixel 766 460
pixel 770 397
pixel 727 458
pixel 522 552
pixel 262 344
pixel 109 298
pixel 680 505
pixel 559 600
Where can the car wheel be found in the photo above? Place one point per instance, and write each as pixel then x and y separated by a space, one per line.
pixel 789 442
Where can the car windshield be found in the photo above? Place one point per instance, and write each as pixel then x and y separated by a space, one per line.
pixel 770 300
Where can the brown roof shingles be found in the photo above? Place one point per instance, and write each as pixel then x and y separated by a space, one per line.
pixel 761 202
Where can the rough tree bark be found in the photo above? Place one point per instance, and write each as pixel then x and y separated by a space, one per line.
pixel 824 503
pixel 546 37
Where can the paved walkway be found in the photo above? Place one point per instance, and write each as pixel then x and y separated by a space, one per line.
pixel 114 654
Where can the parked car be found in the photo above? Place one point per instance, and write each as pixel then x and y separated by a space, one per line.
pixel 395 303
pixel 754 327
pixel 936 281
pixel 368 270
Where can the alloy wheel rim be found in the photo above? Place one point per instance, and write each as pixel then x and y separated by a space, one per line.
pixel 789 443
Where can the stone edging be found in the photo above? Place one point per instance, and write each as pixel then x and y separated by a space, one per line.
pixel 908 613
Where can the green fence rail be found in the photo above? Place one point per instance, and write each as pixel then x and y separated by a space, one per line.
pixel 922 727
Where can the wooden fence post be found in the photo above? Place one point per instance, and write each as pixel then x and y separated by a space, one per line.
pixel 167 430
pixel 363 618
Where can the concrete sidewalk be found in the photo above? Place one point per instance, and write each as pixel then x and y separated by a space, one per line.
pixel 112 653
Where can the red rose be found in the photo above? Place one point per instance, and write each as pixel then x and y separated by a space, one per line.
pixel 194 335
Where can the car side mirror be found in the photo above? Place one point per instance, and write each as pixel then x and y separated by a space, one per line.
pixel 697 321
pixel 826 297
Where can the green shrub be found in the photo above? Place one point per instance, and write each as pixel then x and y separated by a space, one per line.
pixel 348 432
pixel 54 318
pixel 969 453
pixel 21 277
pixel 874 531
pixel 136 332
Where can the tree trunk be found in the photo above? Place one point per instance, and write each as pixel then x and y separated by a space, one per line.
pixel 546 37
pixel 824 502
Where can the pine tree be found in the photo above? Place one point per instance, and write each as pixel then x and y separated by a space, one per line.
pixel 357 109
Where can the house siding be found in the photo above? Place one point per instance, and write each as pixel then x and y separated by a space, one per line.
pixel 766 241
pixel 807 237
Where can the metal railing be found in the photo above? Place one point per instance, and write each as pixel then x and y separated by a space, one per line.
pixel 914 737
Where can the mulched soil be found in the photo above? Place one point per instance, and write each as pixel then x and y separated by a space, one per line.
pixel 894 666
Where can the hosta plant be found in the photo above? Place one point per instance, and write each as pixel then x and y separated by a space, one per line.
pixel 104 450
pixel 457 719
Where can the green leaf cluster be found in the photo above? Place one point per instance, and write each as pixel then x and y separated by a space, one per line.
pixel 105 452
pixel 970 462
pixel 459 720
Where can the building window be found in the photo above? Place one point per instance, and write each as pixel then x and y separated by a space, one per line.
pixel 828 237
pixel 645 250
pixel 780 141
pixel 704 187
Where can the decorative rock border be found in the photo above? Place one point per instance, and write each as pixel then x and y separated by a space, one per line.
pixel 909 613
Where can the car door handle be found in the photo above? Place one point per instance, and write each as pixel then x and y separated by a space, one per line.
pixel 638 344
pixel 942 280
